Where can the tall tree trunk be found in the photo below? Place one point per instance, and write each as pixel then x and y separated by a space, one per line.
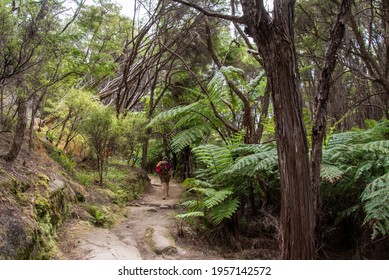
pixel 20 130
pixel 297 212
pixel 275 41
pixel 321 101
pixel 65 121
pixel 145 148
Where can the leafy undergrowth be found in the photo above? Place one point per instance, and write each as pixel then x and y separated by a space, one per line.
pixel 105 203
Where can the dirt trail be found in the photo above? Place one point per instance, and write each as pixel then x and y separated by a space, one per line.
pixel 125 240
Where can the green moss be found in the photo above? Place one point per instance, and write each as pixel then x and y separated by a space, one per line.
pixel 44 241
pixel 42 207
pixel 43 180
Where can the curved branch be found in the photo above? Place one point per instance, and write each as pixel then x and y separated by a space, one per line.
pixel 213 14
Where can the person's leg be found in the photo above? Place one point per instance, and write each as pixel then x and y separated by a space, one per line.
pixel 163 187
pixel 167 188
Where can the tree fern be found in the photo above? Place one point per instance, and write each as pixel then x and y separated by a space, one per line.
pixel 223 211
pixel 172 113
pixel 212 160
pixel 217 197
pixel 360 174
pixel 330 173
pixel 376 205
pixel 189 137
pixel 213 205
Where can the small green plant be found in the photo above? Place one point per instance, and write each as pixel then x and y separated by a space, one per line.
pixel 98 217
pixel 85 178
pixel 66 162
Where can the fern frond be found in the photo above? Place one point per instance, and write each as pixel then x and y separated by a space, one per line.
pixel 171 114
pixel 381 147
pixel 198 115
pixel 347 213
pixel 340 138
pixel 223 211
pixel 260 162
pixel 213 158
pixel 376 199
pixel 193 214
pixel 190 203
pixel 208 192
pixel 249 149
pixel 189 137
pixel 217 197
pixel 232 72
pixel 330 173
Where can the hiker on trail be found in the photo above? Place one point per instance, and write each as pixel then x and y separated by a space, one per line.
pixel 163 169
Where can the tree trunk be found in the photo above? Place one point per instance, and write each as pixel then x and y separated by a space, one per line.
pixel 145 148
pixel 65 121
pixel 19 131
pixel 275 41
pixel 263 114
pixel 297 212
pixel 321 100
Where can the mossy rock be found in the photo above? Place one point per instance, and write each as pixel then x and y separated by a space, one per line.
pixel 16 233
pixel 42 207
pixel 43 180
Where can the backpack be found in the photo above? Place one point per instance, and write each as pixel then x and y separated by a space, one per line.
pixel 164 168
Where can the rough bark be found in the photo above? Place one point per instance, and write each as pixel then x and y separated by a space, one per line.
pixel 264 113
pixel 275 41
pixel 322 95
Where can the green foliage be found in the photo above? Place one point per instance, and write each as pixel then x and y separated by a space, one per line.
pixel 65 161
pixel 254 160
pixel 188 137
pixel 356 164
pixel 99 129
pixel 376 205
pixel 85 178
pixel 212 205
pixel 130 134
pixel 212 160
pixel 98 216
pixel 223 176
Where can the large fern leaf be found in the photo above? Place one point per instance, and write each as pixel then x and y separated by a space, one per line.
pixel 171 114
pixel 376 205
pixel 223 211
pixel 217 197
pixel 212 160
pixel 189 137
pixel 262 161
pixel 330 173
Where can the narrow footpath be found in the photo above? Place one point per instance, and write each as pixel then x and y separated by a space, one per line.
pixel 149 216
